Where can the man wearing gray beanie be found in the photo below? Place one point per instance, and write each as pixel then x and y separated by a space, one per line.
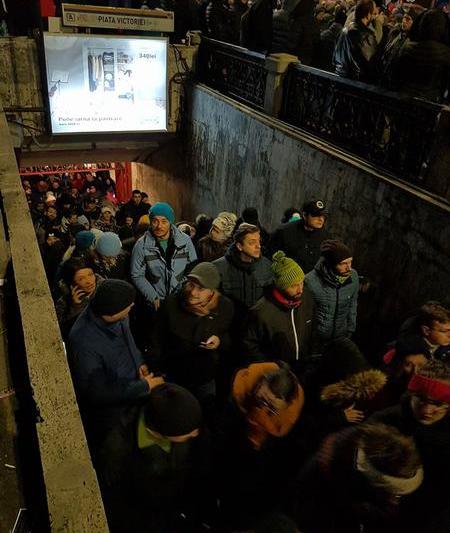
pixel 108 369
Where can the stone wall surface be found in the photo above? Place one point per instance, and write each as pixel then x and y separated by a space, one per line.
pixel 163 177
pixel 401 237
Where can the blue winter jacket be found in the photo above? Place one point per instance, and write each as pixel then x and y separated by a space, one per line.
pixel 105 362
pixel 154 277
pixel 335 303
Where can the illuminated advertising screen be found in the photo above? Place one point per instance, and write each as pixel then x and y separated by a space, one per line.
pixel 99 83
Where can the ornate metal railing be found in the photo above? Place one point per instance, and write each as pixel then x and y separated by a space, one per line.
pixel 391 131
pixel 234 71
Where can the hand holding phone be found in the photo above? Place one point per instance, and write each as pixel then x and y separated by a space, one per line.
pixel 78 295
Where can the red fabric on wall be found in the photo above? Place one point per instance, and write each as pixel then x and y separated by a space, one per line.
pixel 47 8
pixel 123 181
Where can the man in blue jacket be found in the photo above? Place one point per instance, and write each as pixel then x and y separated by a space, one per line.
pixel 160 257
pixel 334 286
pixel 108 369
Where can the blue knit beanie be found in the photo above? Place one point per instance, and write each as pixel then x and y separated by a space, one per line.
pixel 109 244
pixel 84 240
pixel 161 209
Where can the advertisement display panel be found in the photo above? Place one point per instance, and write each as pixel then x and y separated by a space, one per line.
pixel 106 83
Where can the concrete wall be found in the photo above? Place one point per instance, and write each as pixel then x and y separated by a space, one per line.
pixel 401 236
pixel 72 490
pixel 164 178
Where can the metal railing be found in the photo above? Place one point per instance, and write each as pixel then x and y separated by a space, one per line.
pixel 407 138
pixel 392 131
pixel 234 71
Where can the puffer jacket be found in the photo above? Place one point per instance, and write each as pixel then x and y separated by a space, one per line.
pixel 295 29
pixel 336 303
pixel 243 282
pixel 155 274
pixel 354 52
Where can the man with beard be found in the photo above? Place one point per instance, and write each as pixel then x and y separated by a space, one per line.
pixel 192 333
pixel 161 256
pixel 243 270
pixel 334 286
pixel 280 323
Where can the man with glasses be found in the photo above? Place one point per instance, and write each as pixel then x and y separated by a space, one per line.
pixel 432 324
pixel 258 443
pixel 424 415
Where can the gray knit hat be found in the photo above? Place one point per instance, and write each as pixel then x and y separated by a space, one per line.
pixel 206 274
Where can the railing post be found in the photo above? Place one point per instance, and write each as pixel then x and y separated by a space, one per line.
pixel 437 176
pixel 276 66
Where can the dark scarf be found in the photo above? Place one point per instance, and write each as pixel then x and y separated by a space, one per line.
pixel 233 255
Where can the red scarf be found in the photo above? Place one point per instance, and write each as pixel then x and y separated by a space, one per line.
pixel 280 298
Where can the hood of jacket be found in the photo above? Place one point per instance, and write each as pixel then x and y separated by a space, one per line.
pixel 360 387
pixel 327 275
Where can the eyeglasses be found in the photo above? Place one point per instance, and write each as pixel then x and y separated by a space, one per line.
pixel 263 403
pixel 423 400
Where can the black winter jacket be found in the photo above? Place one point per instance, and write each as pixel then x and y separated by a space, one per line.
pixel 243 282
pixel 177 337
pixel 432 60
pixel 325 47
pixel 277 332
pixel 163 483
pixel 295 29
pixel 354 53
pixel 299 244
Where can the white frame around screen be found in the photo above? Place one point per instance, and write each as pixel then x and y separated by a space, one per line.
pixel 113 38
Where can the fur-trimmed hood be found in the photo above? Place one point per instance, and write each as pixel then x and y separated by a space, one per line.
pixel 358 388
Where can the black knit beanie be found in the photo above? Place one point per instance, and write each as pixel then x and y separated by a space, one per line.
pixel 112 296
pixel 341 359
pixel 250 215
pixel 335 251
pixel 172 411
pixel 410 345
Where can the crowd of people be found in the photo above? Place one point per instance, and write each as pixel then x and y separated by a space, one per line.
pixel 217 378
pixel 402 46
